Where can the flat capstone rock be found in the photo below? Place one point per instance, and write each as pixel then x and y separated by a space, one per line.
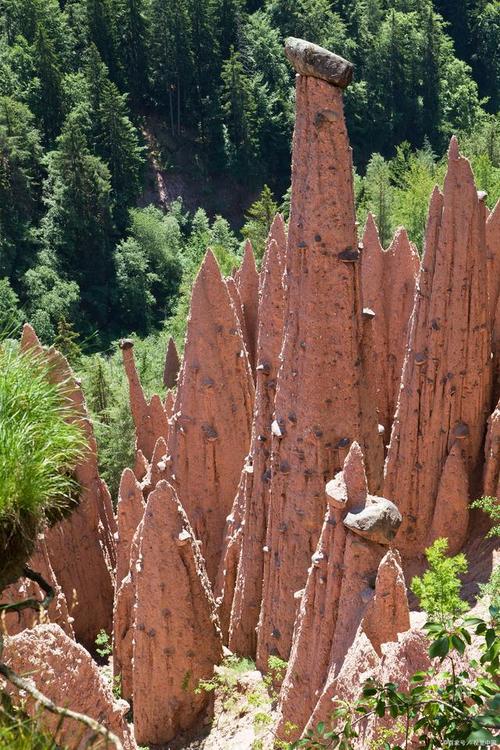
pixel 310 59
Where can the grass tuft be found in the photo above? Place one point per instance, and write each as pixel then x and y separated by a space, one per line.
pixel 39 447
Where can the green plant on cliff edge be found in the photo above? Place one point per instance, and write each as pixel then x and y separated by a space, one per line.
pixel 445 706
pixel 39 448
pixel 41 442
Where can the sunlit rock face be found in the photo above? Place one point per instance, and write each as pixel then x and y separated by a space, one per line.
pixel 211 426
pixel 445 397
pixel 175 623
pixel 324 401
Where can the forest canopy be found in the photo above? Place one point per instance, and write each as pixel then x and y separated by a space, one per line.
pixel 82 83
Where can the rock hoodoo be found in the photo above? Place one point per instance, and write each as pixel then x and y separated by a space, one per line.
pixel 254 482
pixel 339 587
pixel 175 623
pixel 388 284
pixel 320 405
pixel 388 613
pixel 238 308
pixel 129 511
pixel 123 620
pixel 150 419
pixel 261 479
pixel 57 612
pixel 493 266
pixel 491 479
pixel 210 433
pixel 247 282
pixel 172 365
pixel 81 548
pixel 446 382
pixel 278 234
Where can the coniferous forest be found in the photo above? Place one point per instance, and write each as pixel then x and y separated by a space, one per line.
pixel 98 96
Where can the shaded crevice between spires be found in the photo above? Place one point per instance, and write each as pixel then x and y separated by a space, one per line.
pixel 243 562
pixel 247 282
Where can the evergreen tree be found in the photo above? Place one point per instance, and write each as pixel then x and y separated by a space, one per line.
pixel 130 32
pixel 240 114
pixel 206 58
pixel 20 187
pixel 171 59
pixel 11 317
pixel 98 389
pixel 78 226
pixel 66 341
pixel 99 18
pixel 458 14
pixel 259 218
pixel 47 104
pixel 431 82
pixel 114 138
pixel 118 145
pixel 228 17
pixel 379 195
pixel 486 59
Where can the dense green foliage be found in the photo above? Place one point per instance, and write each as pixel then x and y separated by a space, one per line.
pixel 40 447
pixel 81 81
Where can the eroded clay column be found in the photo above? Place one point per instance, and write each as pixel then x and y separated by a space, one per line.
pixel 247 281
pixel 81 547
pixel 177 640
pixel 318 409
pixel 445 396
pixel 388 280
pixel 211 426
pixel 255 483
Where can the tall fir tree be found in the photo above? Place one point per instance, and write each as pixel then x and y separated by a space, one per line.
pixel 99 17
pixel 78 226
pixel 48 104
pixel 113 136
pixel 130 34
pixel 171 59
pixel 431 110
pixel 20 188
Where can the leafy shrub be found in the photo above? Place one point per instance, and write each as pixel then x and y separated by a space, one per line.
pixel 438 589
